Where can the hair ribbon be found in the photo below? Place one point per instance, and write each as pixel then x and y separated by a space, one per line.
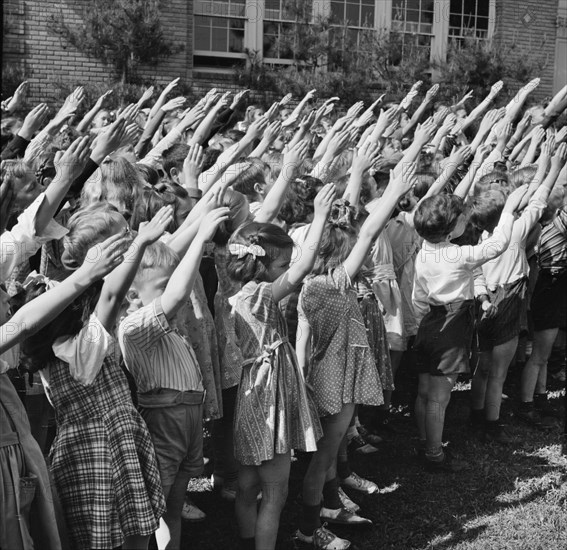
pixel 241 250
pixel 38 278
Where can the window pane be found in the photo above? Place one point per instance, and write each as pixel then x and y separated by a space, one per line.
pixel 455 20
pixel 352 14
pixel 220 42
pixel 482 23
pixel 482 7
pixel 367 16
pixel 236 41
pixel 202 38
pixel 338 10
pixel 412 15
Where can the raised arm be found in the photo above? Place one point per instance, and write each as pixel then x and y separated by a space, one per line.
pixel 181 282
pixel 118 282
pixel 34 315
pixel 286 283
pixel 83 126
pixel 274 199
pixel 362 161
pixel 399 185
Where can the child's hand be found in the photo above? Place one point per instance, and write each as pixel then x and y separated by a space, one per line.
pixel 129 113
pixel 489 310
pixel 401 181
pixel 538 135
pixel 386 118
pixel 310 95
pixel 529 87
pixel 71 163
pixel 365 158
pixel 109 141
pixel 503 133
pixel 148 93
pixel 324 201
pixel 515 199
pixel 238 99
pixel 170 86
pixel 460 155
pixel 131 134
pixel 100 101
pixel 210 223
pixel 560 157
pixel 440 118
pixel 495 89
pixel 481 153
pixel 285 100
pixel 272 112
pixel 150 232
pixel 173 104
pixel 425 132
pixel 524 124
pixel 192 115
pixel 193 163
pixel 272 131
pixel 465 98
pixel 355 110
pixel 431 93
pixel 295 156
pixel 338 143
pixel 561 135
pixel 257 128
pixel 34 121
pixel 104 257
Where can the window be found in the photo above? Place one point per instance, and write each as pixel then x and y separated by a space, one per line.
pixel 352 18
pixel 218 32
pixel 469 18
pixel 414 20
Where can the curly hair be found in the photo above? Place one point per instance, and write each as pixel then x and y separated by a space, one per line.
pixel 272 238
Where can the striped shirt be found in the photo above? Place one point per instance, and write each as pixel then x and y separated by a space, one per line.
pixel 157 356
pixel 553 244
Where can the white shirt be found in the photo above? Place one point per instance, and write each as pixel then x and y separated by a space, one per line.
pixel 512 265
pixel 21 242
pixel 444 271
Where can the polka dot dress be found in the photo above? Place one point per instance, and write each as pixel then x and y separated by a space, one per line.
pixel 342 368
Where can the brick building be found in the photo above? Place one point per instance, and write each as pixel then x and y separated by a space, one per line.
pixel 217 33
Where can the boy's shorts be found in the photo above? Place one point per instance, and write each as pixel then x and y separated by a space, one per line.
pixel 177 434
pixel 444 338
pixel 549 301
pixel 507 323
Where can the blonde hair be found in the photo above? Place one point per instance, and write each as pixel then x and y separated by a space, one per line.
pixel 88 227
pixel 116 181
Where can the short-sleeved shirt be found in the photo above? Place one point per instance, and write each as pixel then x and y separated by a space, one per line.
pixel 157 356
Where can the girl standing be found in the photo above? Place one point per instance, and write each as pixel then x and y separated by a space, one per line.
pixel 274 413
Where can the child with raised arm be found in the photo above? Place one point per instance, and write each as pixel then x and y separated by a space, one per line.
pixel 274 413
pixel 340 365
pixel 506 280
pixel 165 368
pixel 102 459
pixel 22 463
pixel 443 297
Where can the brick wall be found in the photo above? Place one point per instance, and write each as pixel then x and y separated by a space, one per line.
pixel 531 24
pixel 46 59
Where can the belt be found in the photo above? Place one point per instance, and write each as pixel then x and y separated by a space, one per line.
pixel 453 306
pixel 170 398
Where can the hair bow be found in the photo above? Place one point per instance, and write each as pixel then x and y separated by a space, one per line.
pixel 38 278
pixel 240 250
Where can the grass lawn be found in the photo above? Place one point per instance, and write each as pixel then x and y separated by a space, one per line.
pixel 511 498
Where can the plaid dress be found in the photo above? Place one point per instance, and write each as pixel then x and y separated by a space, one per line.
pixel 103 460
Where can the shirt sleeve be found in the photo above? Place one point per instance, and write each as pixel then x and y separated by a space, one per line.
pixel 479 282
pixel 492 247
pixel 142 329
pixel 419 299
pixel 85 352
pixel 22 242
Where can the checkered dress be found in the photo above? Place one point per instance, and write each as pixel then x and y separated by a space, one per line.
pixel 103 460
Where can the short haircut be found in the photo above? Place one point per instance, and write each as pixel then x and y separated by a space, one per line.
pixel 272 238
pixel 254 173
pixel 437 216
pixel 174 157
pixel 487 208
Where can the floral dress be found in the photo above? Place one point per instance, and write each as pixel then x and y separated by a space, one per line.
pixel 274 411
pixel 342 367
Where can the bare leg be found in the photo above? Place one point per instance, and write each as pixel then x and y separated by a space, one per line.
pixel 421 404
pixel 542 346
pixel 502 356
pixel 480 380
pixel 334 429
pixel 274 475
pixel 438 398
pixel 246 507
